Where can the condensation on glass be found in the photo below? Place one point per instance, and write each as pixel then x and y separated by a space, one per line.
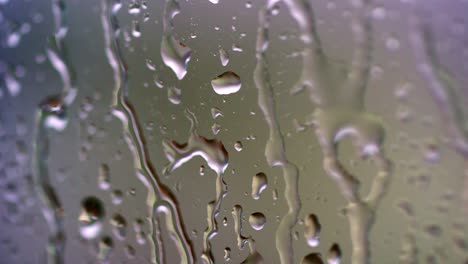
pixel 219 131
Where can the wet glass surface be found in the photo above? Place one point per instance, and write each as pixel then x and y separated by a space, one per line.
pixel 219 131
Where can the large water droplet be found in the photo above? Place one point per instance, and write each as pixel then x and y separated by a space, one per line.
pixel 226 83
pixel 257 220
pixel 90 218
pixel 175 55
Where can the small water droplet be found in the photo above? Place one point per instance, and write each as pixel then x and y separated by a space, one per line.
pixel 12 84
pixel 334 254
pixel 150 65
pixel 141 237
pixel 392 44
pixel 226 83
pixel 104 177
pixel 312 258
pixel 134 8
pixel 379 13
pixel 236 48
pixel 312 230
pixel 257 220
pixel 136 30
pixel 223 56
pixel 129 251
pixel 90 218
pixel 259 183
pixel 238 146
pixel 174 95
pixel 216 112
pixel 215 128
pixel 117 197
pixel 227 254
pixel 119 225
pixel 106 244
pixel 202 170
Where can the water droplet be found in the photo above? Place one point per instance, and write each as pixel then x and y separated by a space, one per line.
pixel 312 230
pixel 13 39
pixel 117 197
pixel 134 8
pixel 236 48
pixel 226 83
pixel 227 254
pixel 90 218
pixel 150 65
pixel 275 10
pixel 104 177
pixel 257 220
pixel 105 248
pixel 216 112
pixel 174 95
pixel 129 251
pixel 12 84
pixel 433 230
pixel 175 55
pixel 141 237
pixel 238 146
pixel 215 128
pixel 334 254
pixel 136 30
pixel 138 225
pixel 392 44
pixel 119 225
pixel 214 1
pixel 312 258
pixel 223 56
pixel 379 13
pixel 248 4
pixel 431 152
pixel 259 183
pixel 202 170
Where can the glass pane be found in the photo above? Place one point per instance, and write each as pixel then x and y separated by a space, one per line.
pixel 221 131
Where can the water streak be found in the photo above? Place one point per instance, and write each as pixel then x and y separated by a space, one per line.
pixel 52 113
pixel 275 152
pixel 216 156
pixel 448 95
pixel 159 197
pixel 340 112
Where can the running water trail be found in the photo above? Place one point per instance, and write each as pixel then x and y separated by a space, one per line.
pixel 216 156
pixel 340 113
pixel 275 152
pixel 451 99
pixel 159 198
pixel 254 256
pixel 52 114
